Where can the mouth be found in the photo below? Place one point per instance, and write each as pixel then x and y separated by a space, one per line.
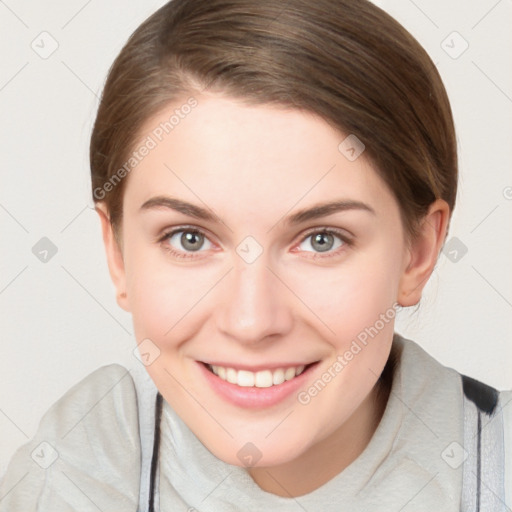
pixel 264 378
pixel 258 389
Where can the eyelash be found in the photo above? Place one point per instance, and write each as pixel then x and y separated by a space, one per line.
pixel 347 242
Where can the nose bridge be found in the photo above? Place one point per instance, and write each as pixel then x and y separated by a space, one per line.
pixel 254 306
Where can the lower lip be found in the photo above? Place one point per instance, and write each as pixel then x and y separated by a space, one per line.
pixel 253 397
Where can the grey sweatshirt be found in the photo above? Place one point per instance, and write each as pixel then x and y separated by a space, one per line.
pixel 94 447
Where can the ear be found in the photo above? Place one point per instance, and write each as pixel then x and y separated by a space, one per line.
pixel 114 256
pixel 423 252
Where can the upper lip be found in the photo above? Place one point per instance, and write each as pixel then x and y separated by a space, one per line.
pixel 259 367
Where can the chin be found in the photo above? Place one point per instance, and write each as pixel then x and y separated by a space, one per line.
pixel 254 454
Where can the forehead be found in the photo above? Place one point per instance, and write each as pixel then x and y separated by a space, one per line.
pixel 243 158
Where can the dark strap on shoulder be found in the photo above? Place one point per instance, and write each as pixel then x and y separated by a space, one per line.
pixel 485 397
pixel 156 447
pixel 483 472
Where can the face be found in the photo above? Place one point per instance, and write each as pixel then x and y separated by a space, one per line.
pixel 230 259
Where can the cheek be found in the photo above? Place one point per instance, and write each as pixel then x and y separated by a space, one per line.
pixel 352 297
pixel 165 299
pixel 356 306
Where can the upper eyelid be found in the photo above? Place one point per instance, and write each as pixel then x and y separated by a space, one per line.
pixel 326 229
pixel 166 232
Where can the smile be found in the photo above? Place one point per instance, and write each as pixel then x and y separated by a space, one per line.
pixel 259 379
pixel 258 387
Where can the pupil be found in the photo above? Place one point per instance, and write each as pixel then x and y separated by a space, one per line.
pixel 320 239
pixel 189 240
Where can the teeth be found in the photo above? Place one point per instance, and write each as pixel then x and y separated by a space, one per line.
pixel 230 375
pixel 245 379
pixel 289 374
pixel 261 379
pixel 278 377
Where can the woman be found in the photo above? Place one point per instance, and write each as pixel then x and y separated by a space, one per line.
pixel 274 182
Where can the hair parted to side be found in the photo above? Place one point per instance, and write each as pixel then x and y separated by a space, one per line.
pixel 347 61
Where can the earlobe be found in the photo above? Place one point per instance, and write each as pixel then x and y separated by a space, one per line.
pixel 114 256
pixel 423 253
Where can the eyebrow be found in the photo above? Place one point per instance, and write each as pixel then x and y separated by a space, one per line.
pixel 315 212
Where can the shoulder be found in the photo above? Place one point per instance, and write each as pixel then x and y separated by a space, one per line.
pixel 86 449
pixel 485 415
pixel 106 393
pixel 488 441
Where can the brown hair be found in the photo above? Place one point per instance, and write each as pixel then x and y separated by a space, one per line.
pixel 345 60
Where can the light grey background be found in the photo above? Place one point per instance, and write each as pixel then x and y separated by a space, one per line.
pixel 60 320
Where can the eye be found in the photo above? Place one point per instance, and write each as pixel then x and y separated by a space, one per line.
pixel 324 241
pixel 183 241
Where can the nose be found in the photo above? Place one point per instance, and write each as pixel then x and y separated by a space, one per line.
pixel 255 304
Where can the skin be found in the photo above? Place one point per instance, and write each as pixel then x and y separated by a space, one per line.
pixel 253 166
